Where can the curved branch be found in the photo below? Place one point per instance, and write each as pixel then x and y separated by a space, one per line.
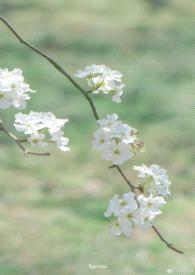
pixel 93 108
pixel 54 63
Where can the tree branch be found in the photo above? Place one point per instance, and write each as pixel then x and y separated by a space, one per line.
pixel 132 187
pixel 54 63
pixel 169 245
pixel 86 94
pixel 19 142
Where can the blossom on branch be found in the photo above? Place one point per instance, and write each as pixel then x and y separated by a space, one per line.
pixel 13 90
pixel 116 141
pixel 149 208
pixel 131 211
pixel 123 209
pixel 102 79
pixel 42 128
pixel 156 180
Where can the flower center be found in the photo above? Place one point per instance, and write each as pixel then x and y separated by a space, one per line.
pixel 102 141
pixel 129 216
pixel 116 152
pixel 123 203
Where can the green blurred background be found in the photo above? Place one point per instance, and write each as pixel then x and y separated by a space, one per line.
pixel 51 209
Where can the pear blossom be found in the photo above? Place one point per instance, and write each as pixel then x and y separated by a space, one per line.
pixel 42 128
pixel 113 206
pixel 131 211
pixel 144 219
pixel 60 140
pixel 149 208
pixel 115 229
pixel 116 141
pixel 117 152
pixel 37 139
pixel 151 203
pixel 108 121
pixel 156 180
pixel 123 209
pixel 123 225
pixel 13 90
pixel 117 204
pixel 102 79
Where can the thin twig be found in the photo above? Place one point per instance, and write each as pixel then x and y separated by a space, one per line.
pixel 93 108
pixel 132 187
pixel 19 142
pixel 169 245
pixel 54 63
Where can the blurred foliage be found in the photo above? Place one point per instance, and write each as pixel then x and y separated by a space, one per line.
pixel 52 208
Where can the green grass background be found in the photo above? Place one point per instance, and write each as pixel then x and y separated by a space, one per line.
pixel 51 209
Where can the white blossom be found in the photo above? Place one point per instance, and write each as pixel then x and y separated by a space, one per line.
pixel 113 206
pixel 156 179
pixel 130 211
pixel 29 124
pixel 51 122
pixel 117 205
pixel 126 224
pixel 117 152
pixel 42 127
pixel 60 140
pixel 151 203
pixel 122 226
pixel 144 218
pixel 123 209
pixel 13 90
pixel 115 228
pixel 115 140
pixel 37 139
pixel 102 79
pixel 149 208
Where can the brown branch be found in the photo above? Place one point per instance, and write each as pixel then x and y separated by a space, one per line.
pixel 93 108
pixel 19 142
pixel 132 187
pixel 169 245
pixel 54 63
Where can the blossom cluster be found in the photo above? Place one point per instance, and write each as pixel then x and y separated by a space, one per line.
pixel 115 140
pixel 140 210
pixel 131 211
pixel 156 180
pixel 102 79
pixel 39 126
pixel 13 90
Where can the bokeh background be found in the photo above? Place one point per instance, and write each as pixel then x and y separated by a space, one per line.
pixel 51 209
